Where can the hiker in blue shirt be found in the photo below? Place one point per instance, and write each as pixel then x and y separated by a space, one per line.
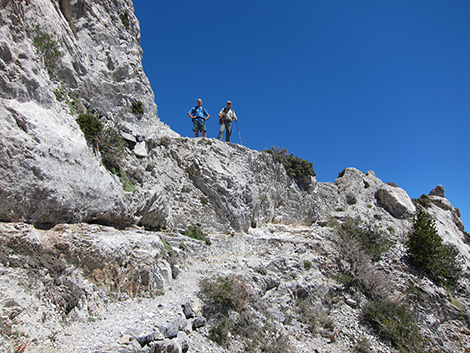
pixel 199 116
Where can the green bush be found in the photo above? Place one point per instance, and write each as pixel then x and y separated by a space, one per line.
pixel 395 323
pixel 48 49
pixel 121 174
pixel 90 125
pixel 427 253
pixel 298 169
pixel 60 94
pixel 307 264
pixel 442 205
pixel 372 242
pixel 195 232
pixel 137 107
pixel 112 146
pixel 423 201
pixel 228 291
pixel 125 19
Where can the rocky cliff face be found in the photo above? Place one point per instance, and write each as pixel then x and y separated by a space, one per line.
pixel 86 265
pixel 60 58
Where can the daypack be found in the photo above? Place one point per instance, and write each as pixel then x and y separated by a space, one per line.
pixel 195 108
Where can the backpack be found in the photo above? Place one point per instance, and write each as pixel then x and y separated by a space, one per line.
pixel 196 107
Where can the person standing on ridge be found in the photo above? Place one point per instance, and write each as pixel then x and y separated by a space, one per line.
pixel 226 116
pixel 199 116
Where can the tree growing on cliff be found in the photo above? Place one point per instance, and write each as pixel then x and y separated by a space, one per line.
pixel 427 253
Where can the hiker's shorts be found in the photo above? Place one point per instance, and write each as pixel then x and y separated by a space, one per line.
pixel 199 125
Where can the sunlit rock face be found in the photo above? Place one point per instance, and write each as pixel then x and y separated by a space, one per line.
pixel 48 173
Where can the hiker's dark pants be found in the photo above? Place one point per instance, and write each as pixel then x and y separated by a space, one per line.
pixel 225 125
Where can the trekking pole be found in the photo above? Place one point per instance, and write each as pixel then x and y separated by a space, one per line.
pixel 239 136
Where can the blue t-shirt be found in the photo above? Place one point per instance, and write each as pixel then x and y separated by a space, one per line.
pixel 198 112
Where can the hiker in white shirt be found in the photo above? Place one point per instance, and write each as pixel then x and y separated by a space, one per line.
pixel 226 116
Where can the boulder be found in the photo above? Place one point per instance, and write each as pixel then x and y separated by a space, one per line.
pixel 438 191
pixel 395 201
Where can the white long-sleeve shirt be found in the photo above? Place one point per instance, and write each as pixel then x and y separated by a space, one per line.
pixel 229 115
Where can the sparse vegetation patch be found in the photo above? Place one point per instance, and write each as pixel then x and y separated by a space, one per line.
pixel 125 19
pixel 234 316
pixel 395 323
pixel 137 107
pixel 90 125
pixel 48 49
pixel 195 232
pixel 298 169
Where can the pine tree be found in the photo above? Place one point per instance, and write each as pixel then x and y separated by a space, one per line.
pixel 427 253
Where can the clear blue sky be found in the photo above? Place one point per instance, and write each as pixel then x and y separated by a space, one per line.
pixel 372 84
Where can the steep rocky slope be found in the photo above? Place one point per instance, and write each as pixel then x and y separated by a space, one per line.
pixel 88 264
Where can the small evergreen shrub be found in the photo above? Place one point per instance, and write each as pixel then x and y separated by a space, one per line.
pixel 442 205
pixel 391 184
pixel 125 19
pixel 351 199
pixel 48 49
pixel 112 146
pixel 298 169
pixel 395 323
pixel 137 107
pixel 90 125
pixel 204 200
pixel 307 264
pixel 195 232
pixel 423 201
pixel 427 253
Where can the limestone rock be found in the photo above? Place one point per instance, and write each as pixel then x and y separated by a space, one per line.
pixel 395 201
pixel 438 191
pixel 50 175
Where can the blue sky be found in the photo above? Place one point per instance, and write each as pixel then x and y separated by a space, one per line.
pixel 371 84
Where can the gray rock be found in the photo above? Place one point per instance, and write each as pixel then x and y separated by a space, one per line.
pixel 183 339
pixel 199 322
pixel 144 337
pixel 188 310
pixel 395 201
pixel 171 330
pixel 166 346
pixel 438 191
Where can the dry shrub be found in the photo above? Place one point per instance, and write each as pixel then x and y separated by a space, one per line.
pixel 357 264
